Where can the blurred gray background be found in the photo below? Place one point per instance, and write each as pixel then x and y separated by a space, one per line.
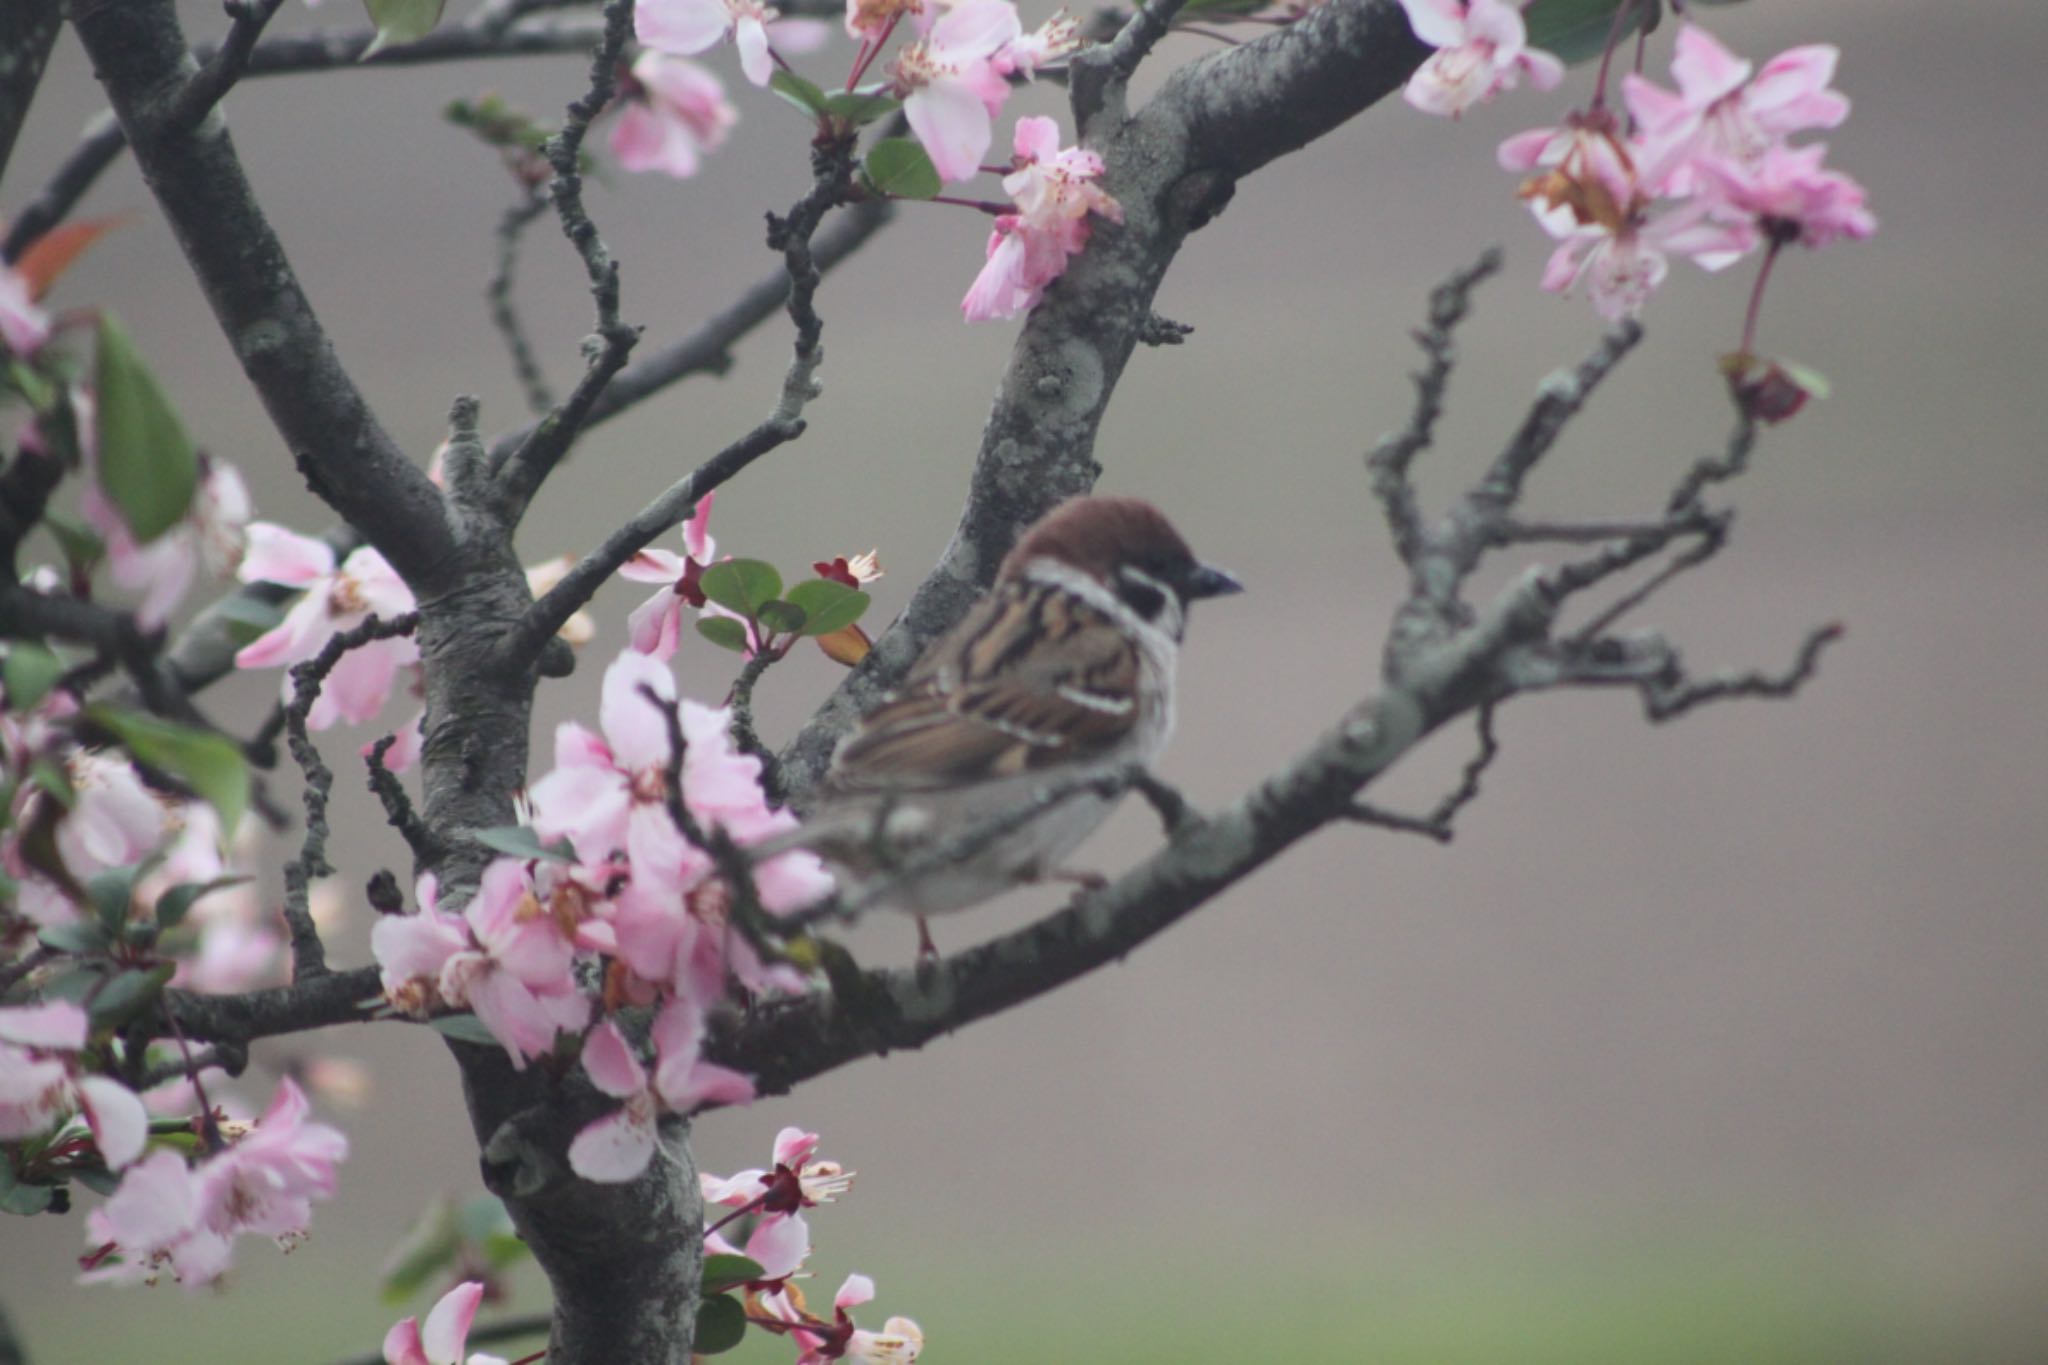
pixel 1718 1041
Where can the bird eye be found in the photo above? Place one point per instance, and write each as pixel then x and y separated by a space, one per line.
pixel 1140 592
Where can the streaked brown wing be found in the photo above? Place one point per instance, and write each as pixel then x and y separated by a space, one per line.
pixel 1031 676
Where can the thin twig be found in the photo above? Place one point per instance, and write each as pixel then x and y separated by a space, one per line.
pixel 309 955
pixel 740 702
pixel 791 236
pixel 537 457
pixel 97 147
pixel 1388 463
pixel 398 808
pixel 505 313
pixel 223 68
pixel 744 911
pixel 1437 824
pixel 1664 699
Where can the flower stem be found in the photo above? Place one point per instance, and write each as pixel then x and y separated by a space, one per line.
pixel 984 205
pixel 742 1211
pixel 1756 297
pixel 1621 13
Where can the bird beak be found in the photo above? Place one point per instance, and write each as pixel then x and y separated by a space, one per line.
pixel 1209 582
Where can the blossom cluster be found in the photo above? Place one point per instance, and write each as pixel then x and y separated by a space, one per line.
pixel 168 1215
pixel 763 1268
pixel 779 1243
pixel 1707 171
pixel 626 899
pixel 951 77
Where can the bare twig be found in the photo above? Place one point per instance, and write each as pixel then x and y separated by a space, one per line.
pixel 538 455
pixel 398 808
pixel 224 67
pixel 791 236
pixel 505 313
pixel 1665 699
pixel 1389 462
pixel 1437 824
pixel 309 955
pixel 740 702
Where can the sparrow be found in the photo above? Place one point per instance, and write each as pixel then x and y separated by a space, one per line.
pixel 1002 749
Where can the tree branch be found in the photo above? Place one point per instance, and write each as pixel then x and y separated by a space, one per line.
pixel 139 54
pixel 1172 166
pixel 223 68
pixel 309 956
pixel 537 456
pixel 791 236
pixel 28 30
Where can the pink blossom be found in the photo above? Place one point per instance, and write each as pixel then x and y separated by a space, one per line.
pixel 212 535
pixel 1055 192
pixel 23 326
pixel 898 1343
pixel 517 977
pixel 608 793
pixel 794 1181
pixel 618 1147
pixel 1792 196
pixel 411 950
pixel 445 1334
pixel 951 86
pixel 1481 49
pixel 337 598
pixel 152 1222
pixel 265 1183
pixel 40 1084
pixel 1051 40
pixel 676 110
pixel 114 821
pixel 685 28
pixel 656 624
pixel 1718 111
pixel 1623 266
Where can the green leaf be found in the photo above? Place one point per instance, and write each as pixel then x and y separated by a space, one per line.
pixel 38 392
pixel 899 166
pixel 80 936
pixel 28 1199
pixel 428 1245
pixel 828 605
pixel 28 673
pixel 99 1182
pixel 173 905
pixel 859 108
pixel 148 467
pixel 518 841
pixel 724 632
pixel 723 1272
pixel 782 618
pixel 721 1325
pixel 463 1028
pixel 1576 30
pixel 798 92
pixel 127 995
pixel 50 775
pixel 211 764
pixel 245 618
pixel 741 585
pixel 400 21
pixel 113 895
pixel 80 545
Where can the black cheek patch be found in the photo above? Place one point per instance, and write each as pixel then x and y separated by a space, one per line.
pixel 1142 597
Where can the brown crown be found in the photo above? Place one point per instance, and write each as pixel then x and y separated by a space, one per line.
pixel 1095 534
